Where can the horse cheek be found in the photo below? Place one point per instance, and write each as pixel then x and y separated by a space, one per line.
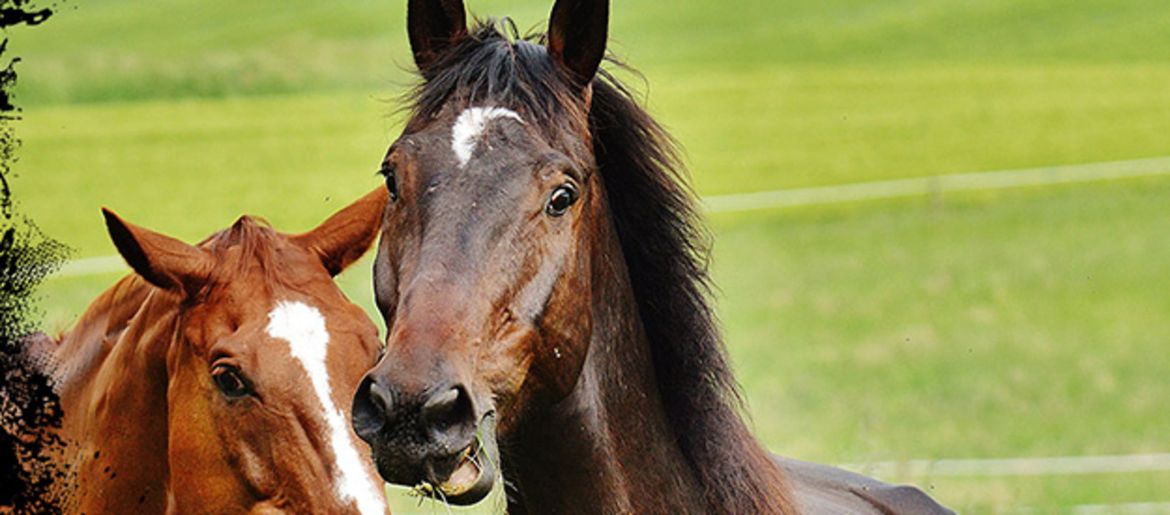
pixel 564 342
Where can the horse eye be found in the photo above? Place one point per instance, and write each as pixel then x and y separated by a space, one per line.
pixel 230 381
pixel 561 199
pixel 387 171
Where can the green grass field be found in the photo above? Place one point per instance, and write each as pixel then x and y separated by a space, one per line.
pixel 1014 323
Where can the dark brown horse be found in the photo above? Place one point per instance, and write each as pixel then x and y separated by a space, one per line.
pixel 217 379
pixel 544 280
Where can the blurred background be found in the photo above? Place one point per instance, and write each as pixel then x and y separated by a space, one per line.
pixel 922 331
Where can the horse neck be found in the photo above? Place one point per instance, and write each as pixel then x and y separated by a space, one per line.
pixel 115 421
pixel 608 446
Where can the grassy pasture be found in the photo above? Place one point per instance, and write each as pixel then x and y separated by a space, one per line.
pixel 101 50
pixel 1013 323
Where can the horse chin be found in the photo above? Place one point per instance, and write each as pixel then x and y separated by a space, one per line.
pixel 475 474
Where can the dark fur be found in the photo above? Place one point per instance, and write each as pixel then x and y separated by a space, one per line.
pixel 663 243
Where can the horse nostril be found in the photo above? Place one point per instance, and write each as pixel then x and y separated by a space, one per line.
pixel 446 409
pixel 371 405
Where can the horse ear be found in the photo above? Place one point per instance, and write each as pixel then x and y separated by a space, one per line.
pixel 160 259
pixel 347 235
pixel 577 33
pixel 434 26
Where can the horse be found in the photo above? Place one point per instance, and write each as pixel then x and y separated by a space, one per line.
pixel 217 378
pixel 543 276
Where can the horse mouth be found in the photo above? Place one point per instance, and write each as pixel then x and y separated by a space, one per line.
pixel 474 474
pixel 471 481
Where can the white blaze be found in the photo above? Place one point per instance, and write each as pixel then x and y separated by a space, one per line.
pixel 303 327
pixel 470 126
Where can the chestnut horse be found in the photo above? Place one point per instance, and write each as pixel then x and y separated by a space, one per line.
pixel 217 378
pixel 543 277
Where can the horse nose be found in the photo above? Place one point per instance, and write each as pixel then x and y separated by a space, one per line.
pixel 372 404
pixel 448 415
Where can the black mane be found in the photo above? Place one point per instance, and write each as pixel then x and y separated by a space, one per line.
pixel 664 244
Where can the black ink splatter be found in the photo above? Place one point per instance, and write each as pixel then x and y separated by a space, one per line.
pixel 29 410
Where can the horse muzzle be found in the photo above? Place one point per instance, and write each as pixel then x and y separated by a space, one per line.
pixel 432 442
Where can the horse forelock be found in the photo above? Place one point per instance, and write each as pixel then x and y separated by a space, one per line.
pixel 489 69
pixel 251 245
